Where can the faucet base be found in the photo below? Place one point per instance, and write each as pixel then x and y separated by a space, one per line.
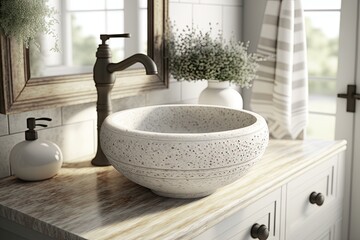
pixel 100 159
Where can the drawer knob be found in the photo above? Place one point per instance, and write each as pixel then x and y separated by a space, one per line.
pixel 260 232
pixel 317 198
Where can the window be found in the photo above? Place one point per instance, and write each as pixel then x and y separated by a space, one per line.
pixel 322 21
pixel 80 24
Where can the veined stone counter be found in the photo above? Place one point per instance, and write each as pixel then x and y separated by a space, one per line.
pixel 85 202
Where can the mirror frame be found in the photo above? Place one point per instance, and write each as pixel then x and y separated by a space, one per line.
pixel 20 93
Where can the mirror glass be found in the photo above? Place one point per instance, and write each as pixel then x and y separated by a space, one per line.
pixel 80 22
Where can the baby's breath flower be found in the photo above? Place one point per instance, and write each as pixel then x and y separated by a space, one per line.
pixel 23 20
pixel 195 55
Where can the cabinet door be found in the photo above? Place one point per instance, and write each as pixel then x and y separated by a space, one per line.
pixel 323 236
pixel 265 211
pixel 305 216
pixel 332 232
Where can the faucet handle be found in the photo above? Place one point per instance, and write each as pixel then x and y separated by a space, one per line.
pixel 105 37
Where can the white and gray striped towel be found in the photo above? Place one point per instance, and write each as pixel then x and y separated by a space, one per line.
pixel 280 93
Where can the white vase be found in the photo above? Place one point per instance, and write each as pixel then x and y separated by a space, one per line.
pixel 222 94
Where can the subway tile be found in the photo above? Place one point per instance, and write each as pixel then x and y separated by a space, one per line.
pixel 163 96
pixel 203 15
pixel 84 112
pixel 4 127
pixel 232 22
pixel 79 113
pixel 129 102
pixel 76 141
pixel 6 144
pixel 222 2
pixel 189 1
pixel 181 14
pixel 190 101
pixel 17 121
pixel 191 90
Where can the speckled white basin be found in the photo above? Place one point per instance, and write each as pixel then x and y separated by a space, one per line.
pixel 183 151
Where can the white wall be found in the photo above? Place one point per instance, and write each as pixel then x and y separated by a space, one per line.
pixel 253 13
pixel 74 127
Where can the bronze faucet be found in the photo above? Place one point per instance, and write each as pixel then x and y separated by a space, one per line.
pixel 104 81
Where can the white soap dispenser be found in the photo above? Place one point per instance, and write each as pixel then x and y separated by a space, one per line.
pixel 35 159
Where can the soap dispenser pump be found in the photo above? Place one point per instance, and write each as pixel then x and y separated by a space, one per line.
pixel 35 159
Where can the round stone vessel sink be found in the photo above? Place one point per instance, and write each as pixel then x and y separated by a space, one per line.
pixel 183 151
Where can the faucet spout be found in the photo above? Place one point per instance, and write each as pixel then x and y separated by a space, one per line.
pixel 149 64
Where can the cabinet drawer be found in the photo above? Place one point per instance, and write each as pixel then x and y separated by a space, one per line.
pixel 237 226
pixel 303 216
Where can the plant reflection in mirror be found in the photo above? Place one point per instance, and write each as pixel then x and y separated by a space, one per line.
pixel 24 20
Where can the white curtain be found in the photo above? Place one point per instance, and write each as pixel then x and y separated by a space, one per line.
pixel 280 93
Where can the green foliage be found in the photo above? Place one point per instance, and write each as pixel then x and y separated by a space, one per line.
pixel 25 19
pixel 322 52
pixel 195 55
pixel 322 60
pixel 83 46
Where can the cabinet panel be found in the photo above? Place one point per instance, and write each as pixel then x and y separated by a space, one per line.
pixel 304 217
pixel 324 236
pixel 326 232
pixel 237 226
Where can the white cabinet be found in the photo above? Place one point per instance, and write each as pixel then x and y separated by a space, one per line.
pixel 306 220
pixel 265 211
pixel 327 232
pixel 289 213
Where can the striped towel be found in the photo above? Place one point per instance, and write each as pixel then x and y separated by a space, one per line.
pixel 280 93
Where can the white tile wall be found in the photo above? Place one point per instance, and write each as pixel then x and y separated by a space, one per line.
pixel 213 15
pixel 4 128
pixel 6 144
pixel 18 121
pixel 190 101
pixel 170 95
pixel 189 1
pixel 77 141
pixel 128 102
pixel 192 90
pixel 74 127
pixel 223 2
pixel 78 113
pixel 232 22
pixel 179 14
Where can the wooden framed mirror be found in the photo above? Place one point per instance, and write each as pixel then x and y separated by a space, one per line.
pixel 19 92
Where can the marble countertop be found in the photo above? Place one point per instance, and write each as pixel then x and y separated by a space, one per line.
pixel 85 202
